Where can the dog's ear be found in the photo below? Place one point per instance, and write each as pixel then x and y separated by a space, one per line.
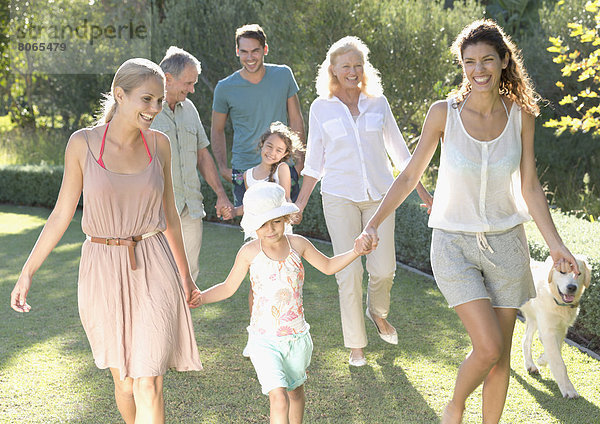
pixel 549 263
pixel 584 268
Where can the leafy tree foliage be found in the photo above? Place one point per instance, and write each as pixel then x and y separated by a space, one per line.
pixel 409 42
pixel 580 61
pixel 515 16
pixel 4 63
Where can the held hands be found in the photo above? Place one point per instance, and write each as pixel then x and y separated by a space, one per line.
pixel 195 299
pixel 564 261
pixel 427 203
pixel 193 295
pixel 426 197
pixel 224 208
pixel 296 218
pixel 18 297
pixel 366 242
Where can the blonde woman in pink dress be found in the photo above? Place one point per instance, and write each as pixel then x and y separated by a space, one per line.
pixel 135 288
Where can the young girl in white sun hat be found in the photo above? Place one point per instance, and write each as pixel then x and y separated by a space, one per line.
pixel 279 342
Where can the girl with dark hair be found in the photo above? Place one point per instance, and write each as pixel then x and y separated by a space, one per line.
pixel 277 145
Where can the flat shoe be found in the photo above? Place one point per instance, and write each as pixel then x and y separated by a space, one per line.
pixel 391 338
pixel 357 362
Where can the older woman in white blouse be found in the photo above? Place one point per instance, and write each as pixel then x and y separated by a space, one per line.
pixel 351 133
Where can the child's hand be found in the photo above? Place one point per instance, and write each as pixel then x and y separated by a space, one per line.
pixel 227 213
pixel 367 241
pixel 195 299
pixel 363 245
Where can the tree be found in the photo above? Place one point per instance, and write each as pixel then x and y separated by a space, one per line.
pixel 581 71
pixel 4 62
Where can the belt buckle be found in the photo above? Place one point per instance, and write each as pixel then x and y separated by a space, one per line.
pixel 113 238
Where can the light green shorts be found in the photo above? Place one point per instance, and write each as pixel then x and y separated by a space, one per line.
pixel 464 271
pixel 280 361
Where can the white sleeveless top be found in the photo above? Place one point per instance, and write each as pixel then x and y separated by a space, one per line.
pixel 250 180
pixel 277 308
pixel 479 182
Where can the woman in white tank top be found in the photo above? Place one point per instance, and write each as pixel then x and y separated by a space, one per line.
pixel 487 187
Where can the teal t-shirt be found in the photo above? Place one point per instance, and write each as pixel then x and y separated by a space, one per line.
pixel 252 108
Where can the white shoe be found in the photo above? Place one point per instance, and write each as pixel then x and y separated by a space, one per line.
pixel 391 338
pixel 357 362
pixel 245 352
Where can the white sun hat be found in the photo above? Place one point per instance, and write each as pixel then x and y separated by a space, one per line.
pixel 263 202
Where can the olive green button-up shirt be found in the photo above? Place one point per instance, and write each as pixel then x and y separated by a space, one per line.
pixel 187 136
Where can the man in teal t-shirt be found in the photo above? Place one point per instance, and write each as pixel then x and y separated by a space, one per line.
pixel 253 97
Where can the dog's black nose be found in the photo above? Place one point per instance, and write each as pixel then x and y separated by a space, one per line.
pixel 571 288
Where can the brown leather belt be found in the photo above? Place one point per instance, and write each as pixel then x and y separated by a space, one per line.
pixel 130 242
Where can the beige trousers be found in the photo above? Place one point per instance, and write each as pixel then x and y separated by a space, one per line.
pixel 192 240
pixel 345 221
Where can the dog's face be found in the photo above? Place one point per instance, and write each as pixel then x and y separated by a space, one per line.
pixel 568 288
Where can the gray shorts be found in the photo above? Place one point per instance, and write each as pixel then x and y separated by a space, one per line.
pixel 464 271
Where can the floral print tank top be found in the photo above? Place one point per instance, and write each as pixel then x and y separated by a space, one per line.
pixel 277 285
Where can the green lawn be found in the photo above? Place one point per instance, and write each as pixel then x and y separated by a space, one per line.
pixel 47 374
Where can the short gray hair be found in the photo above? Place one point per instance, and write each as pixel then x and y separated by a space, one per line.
pixel 176 60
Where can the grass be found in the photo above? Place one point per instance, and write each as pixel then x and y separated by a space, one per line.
pixel 47 374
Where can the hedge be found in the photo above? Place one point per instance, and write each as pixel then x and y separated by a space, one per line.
pixel 39 186
pixel 35 185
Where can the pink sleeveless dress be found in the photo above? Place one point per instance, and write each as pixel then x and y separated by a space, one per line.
pixel 136 321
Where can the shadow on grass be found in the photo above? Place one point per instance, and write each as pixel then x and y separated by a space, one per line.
pixel 565 410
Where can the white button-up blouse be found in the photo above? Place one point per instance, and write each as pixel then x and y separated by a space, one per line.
pixel 351 157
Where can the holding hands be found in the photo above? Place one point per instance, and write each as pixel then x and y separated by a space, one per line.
pixel 367 241
pixel 193 295
pixel 224 208
pixel 296 218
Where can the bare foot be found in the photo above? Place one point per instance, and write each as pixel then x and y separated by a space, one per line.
pixel 383 325
pixel 452 414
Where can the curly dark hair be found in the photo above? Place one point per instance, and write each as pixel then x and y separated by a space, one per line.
pixel 515 83
pixel 290 138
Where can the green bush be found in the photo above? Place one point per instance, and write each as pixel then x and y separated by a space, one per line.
pixel 35 185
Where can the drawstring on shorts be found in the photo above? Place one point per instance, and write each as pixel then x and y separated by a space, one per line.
pixel 483 245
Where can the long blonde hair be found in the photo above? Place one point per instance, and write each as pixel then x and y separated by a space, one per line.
pixel 327 83
pixel 130 75
pixel 515 83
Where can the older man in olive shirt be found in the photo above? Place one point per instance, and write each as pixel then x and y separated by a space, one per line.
pixel 179 119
